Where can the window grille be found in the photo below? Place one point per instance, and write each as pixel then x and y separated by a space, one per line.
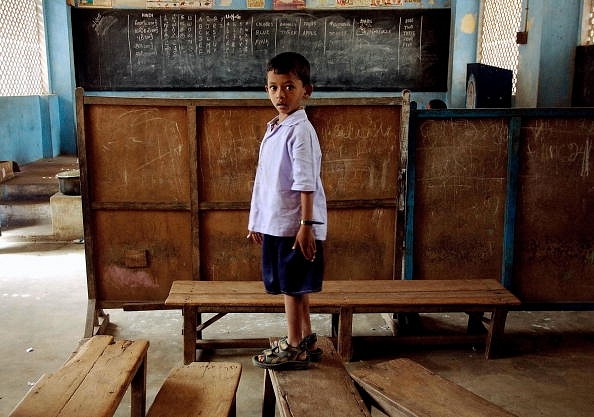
pixel 500 22
pixel 589 12
pixel 23 63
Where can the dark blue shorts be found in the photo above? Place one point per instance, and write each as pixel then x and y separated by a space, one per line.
pixel 286 271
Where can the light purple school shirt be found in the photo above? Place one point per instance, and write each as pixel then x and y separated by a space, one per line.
pixel 289 162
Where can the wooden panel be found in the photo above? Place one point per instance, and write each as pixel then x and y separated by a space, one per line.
pixel 555 226
pixel 123 239
pixel 460 198
pixel 225 253
pixel 360 245
pixel 360 166
pixel 229 140
pixel 138 154
pixel 360 151
pixel 360 148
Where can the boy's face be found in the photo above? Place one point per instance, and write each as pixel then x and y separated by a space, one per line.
pixel 286 92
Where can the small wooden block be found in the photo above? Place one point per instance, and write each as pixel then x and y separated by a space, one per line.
pixel 198 389
pixel 403 388
pixel 325 389
pixel 137 258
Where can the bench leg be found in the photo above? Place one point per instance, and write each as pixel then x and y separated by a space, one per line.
pixel 190 334
pixel 334 325
pixel 138 391
pixel 345 334
pixel 269 400
pixel 496 329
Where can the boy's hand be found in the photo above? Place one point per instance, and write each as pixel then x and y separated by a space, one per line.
pixel 254 237
pixel 306 242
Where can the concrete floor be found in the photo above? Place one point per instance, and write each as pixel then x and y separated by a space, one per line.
pixel 546 370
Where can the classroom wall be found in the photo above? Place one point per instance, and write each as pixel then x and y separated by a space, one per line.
pixel 27 128
pixel 61 72
pixel 36 127
pixel 546 62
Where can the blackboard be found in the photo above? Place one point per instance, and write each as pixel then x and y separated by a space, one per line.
pixel 351 50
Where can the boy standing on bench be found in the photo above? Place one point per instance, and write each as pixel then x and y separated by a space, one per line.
pixel 288 211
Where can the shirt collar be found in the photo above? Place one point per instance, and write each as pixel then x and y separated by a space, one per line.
pixel 294 118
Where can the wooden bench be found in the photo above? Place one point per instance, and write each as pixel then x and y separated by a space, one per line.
pixel 325 389
pixel 403 388
pixel 198 389
pixel 92 382
pixel 342 299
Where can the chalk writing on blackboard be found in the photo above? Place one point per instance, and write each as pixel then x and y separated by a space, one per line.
pixel 349 50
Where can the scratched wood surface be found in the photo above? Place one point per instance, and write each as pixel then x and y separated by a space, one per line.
pixel 402 387
pixel 198 389
pixel 360 164
pixel 138 254
pixel 460 198
pixel 92 383
pixel 138 154
pixel 555 244
pixel 169 184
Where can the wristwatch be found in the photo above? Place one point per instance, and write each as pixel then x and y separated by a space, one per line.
pixel 309 222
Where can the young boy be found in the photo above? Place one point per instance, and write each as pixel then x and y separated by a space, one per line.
pixel 288 210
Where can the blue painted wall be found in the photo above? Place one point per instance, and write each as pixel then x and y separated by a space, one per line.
pixel 545 74
pixel 61 72
pixel 25 127
pixel 36 127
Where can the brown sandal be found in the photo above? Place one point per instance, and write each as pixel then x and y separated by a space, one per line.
pixel 282 357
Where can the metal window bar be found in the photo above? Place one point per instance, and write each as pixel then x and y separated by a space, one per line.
pixel 23 62
pixel 590 24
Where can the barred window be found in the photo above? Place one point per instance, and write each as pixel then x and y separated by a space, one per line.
pixel 23 62
pixel 500 22
pixel 589 21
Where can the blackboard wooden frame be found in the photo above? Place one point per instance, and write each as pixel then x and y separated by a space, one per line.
pixel 350 50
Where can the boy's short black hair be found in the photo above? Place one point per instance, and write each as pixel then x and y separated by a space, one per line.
pixel 291 63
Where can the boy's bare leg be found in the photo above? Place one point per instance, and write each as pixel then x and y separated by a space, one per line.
pixel 305 317
pixel 293 312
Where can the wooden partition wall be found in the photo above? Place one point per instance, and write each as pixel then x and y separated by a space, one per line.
pixel 504 194
pixel 166 185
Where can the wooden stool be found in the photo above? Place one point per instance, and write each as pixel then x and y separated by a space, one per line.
pixel 198 389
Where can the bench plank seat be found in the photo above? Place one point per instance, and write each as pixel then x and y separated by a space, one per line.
pixel 324 389
pixel 342 299
pixel 403 388
pixel 92 382
pixel 198 389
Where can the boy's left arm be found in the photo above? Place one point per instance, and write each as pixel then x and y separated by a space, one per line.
pixel 306 239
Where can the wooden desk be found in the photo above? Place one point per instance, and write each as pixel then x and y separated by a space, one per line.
pixel 342 299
